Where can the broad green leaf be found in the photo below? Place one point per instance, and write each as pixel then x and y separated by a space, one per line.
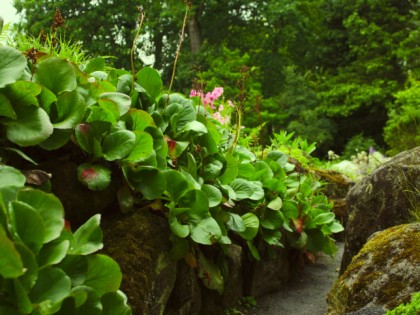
pixel 53 285
pixel 103 274
pixel 275 204
pixel 258 193
pixel 75 266
pixel 253 250
pixel 139 120
pixel 205 231
pixel 12 65
pixel 272 237
pixel 30 265
pixel 244 154
pixel 28 224
pixel 94 64
pixel 23 302
pixel 272 219
pixel 86 134
pixel 179 229
pixel 150 80
pixel 10 176
pixel 118 144
pixel 178 184
pixel 53 252
pixel 157 135
pixel 335 227
pixel 196 200
pixel 236 223
pixel 251 224
pixel 262 171
pixel 324 218
pixel 6 108
pixel 49 208
pixel 231 170
pixel 192 165
pixel 298 241
pixel 94 176
pixel 243 188
pixel 306 189
pixel 88 238
pixel 70 109
pixel 212 170
pixel 58 139
pixel 116 102
pixel 290 209
pixel 10 263
pixel 195 126
pixel 46 99
pixel 97 113
pixel 115 303
pixel 246 170
pixel 279 157
pixel 56 74
pixel 143 147
pixel 210 274
pixel 31 127
pixel 23 93
pixel 213 194
pixel 150 181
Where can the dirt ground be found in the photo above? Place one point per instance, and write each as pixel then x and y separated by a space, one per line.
pixel 305 295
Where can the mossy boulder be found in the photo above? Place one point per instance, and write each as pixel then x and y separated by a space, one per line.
pixel 140 244
pixel 383 199
pixel 384 274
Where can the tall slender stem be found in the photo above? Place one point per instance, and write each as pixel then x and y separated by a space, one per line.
pixel 133 69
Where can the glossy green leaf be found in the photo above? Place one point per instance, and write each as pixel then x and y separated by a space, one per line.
pixel 213 194
pixel 87 133
pixel 10 176
pixel 178 184
pixel 272 237
pixel 196 200
pixel 231 170
pixel 94 176
pixel 50 209
pixel 23 93
pixel 236 223
pixel 12 65
pixel 28 224
pixel 212 169
pixel 150 80
pixel 56 74
pixel 324 218
pixel 205 231
pixel 150 181
pixel 290 209
pixel 118 145
pixel 258 191
pixel 243 188
pixel 195 126
pixel 94 64
pixel 272 219
pixel 88 238
pixel 335 227
pixel 139 120
pixel 30 265
pixel 23 302
pixel 298 241
pixel 53 285
pixel 6 108
pixel 115 303
pixel 210 274
pixel 143 147
pixel 31 127
pixel 275 204
pixel 53 252
pixel 70 109
pixel 179 229
pixel 75 266
pixel 97 113
pixel 246 170
pixel 116 102
pixel 103 274
pixel 253 250
pixel 11 265
pixel 251 224
pixel 58 139
pixel 46 99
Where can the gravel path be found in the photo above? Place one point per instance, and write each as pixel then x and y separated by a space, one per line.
pixel 305 295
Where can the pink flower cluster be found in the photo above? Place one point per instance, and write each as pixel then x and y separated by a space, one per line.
pixel 209 98
pixel 208 101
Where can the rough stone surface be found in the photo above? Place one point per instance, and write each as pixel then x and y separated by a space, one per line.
pixel 384 274
pixel 269 274
pixel 381 200
pixel 186 295
pixel 140 244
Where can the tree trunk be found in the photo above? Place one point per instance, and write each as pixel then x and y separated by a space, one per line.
pixel 194 33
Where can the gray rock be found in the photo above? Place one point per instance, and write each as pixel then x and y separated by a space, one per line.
pixel 381 200
pixel 384 274
pixel 140 244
